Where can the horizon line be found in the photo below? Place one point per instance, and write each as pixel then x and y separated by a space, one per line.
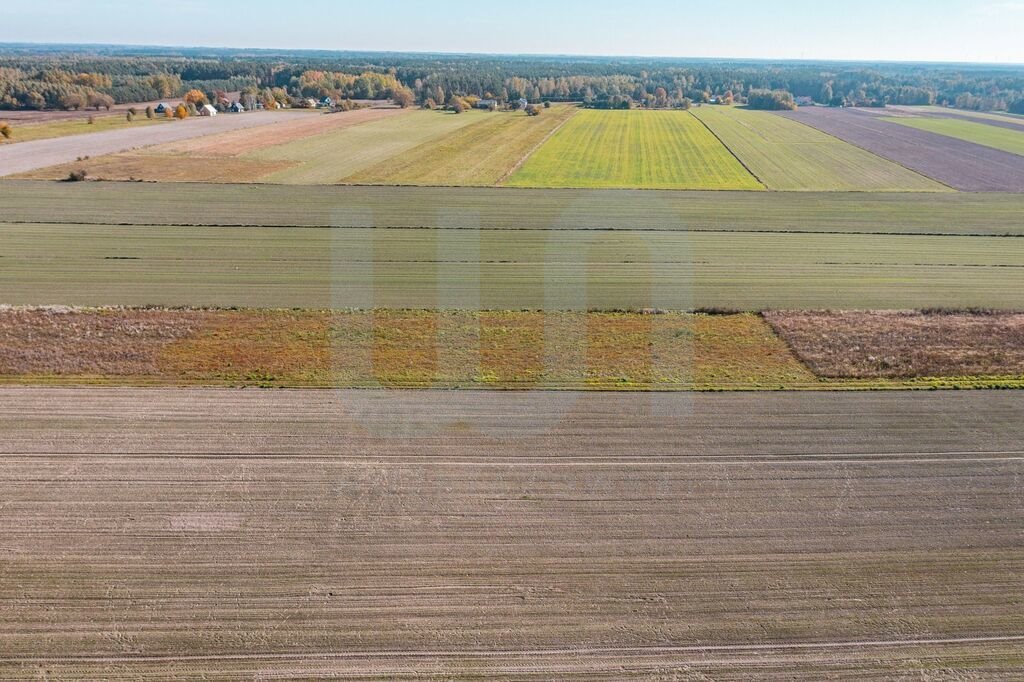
pixel 272 50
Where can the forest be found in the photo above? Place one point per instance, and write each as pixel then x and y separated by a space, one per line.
pixel 44 77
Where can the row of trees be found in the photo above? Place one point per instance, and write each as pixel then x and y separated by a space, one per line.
pixel 41 77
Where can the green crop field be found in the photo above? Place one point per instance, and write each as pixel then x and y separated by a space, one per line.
pixel 333 157
pixel 478 155
pixel 501 269
pixel 512 209
pixel 790 156
pixel 634 149
pixel 970 131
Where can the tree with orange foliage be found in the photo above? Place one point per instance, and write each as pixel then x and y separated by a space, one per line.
pixel 195 97
pixel 181 112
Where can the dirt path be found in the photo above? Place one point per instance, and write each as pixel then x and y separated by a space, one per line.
pixel 383 534
pixel 28 156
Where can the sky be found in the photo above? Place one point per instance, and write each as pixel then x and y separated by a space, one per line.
pixel 859 30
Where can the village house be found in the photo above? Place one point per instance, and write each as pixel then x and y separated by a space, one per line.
pixel 208 110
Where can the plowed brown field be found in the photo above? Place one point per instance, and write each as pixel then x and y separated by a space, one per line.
pixel 388 534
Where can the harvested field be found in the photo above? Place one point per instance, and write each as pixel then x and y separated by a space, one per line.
pixel 786 155
pixel 513 209
pixel 30 156
pixel 385 534
pixel 1009 138
pixel 864 345
pixel 956 163
pixel 394 348
pixel 97 265
pixel 480 155
pixel 154 168
pixel 333 157
pixel 634 149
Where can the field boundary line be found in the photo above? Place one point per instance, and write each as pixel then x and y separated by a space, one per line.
pixel 519 164
pixel 729 149
pixel 499 653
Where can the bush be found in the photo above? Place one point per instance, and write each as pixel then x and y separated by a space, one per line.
pixel 77 176
pixel 5 130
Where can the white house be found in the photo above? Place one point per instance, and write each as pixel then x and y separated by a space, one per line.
pixel 208 110
pixel 237 107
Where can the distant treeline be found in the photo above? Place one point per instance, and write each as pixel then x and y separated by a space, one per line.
pixel 46 76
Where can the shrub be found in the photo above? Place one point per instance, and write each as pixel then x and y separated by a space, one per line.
pixel 77 176
pixel 5 130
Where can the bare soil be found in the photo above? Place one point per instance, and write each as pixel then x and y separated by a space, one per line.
pixel 387 534
pixel 904 344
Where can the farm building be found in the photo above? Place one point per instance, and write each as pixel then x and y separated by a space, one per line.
pixel 163 108
pixel 208 110
pixel 326 102
pixel 523 103
pixel 237 107
pixel 489 104
pixel 805 101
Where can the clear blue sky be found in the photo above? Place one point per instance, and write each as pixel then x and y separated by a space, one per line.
pixel 900 30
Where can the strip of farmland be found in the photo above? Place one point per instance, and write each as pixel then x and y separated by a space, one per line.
pixel 1009 138
pixel 512 209
pixel 1003 120
pixel 381 534
pixel 96 265
pixel 29 156
pixel 634 149
pixel 956 163
pixel 786 155
pixel 331 157
pixel 479 155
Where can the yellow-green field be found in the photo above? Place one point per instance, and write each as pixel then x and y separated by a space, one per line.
pixel 334 157
pixel 45 131
pixel 482 154
pixel 636 150
pixel 789 156
pixel 979 133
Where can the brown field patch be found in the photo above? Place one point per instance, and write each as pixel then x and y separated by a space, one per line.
pixel 239 142
pixel 403 348
pixel 865 345
pixel 62 341
pixel 154 168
